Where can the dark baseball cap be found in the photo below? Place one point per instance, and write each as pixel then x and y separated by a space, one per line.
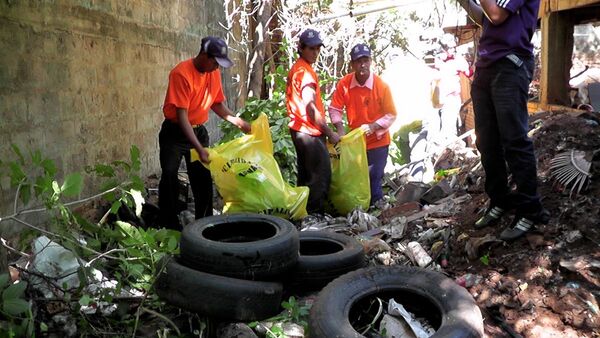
pixel 310 38
pixel 359 51
pixel 216 48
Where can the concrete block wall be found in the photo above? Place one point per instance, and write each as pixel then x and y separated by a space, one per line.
pixel 84 80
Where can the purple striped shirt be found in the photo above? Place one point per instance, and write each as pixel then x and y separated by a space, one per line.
pixel 513 36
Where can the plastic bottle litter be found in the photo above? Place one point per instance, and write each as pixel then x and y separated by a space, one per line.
pixel 418 254
pixel 468 280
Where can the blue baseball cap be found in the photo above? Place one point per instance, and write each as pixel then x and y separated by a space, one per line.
pixel 359 51
pixel 310 38
pixel 216 48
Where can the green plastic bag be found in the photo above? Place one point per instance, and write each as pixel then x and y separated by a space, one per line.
pixel 350 185
pixel 248 178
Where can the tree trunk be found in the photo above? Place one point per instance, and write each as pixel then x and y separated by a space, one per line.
pixel 260 39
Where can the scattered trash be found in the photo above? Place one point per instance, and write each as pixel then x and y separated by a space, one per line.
pixel 292 330
pixel 186 217
pixel 54 262
pixel 591 303
pixel 396 227
pixel 468 280
pixel 56 270
pixel 437 192
pixel 573 236
pixel 473 245
pixel 417 254
pixel 236 330
pixel 580 263
pixel 394 327
pixel 420 330
pixel 362 221
pixel 411 191
pixel 385 258
pixel 523 287
pixel 572 168
pixel 375 245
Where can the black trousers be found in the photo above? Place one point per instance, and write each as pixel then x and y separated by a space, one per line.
pixel 173 146
pixel 314 169
pixel 500 94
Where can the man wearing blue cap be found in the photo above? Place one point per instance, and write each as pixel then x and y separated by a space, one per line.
pixel 194 89
pixel 369 105
pixel 308 126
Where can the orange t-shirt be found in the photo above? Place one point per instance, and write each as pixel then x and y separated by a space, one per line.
pixel 192 90
pixel 300 76
pixel 364 105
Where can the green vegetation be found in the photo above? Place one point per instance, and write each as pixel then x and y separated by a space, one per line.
pixel 123 253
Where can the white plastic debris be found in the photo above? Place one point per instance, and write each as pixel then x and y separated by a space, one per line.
pixel 396 227
pixel 419 330
pixel 61 265
pixel 417 254
pixel 362 221
pixel 52 260
pixel 293 330
pixel 396 327
pixel 385 258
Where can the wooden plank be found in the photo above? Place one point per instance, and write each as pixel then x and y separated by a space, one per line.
pixel 550 6
pixel 557 47
pixel 535 107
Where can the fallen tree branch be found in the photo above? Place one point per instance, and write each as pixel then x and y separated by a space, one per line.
pixel 10 248
pixel 156 314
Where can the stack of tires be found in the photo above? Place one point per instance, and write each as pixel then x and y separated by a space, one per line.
pixel 237 266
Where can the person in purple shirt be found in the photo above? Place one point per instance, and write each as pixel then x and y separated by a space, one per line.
pixel 499 92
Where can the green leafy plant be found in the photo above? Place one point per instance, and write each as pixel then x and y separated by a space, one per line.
pixel 485 259
pixel 123 252
pixel 16 319
pixel 444 173
pixel 294 312
pixel 122 183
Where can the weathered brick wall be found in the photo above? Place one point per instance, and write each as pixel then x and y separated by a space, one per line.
pixel 84 80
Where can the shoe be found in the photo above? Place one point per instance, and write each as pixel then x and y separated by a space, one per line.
pixel 491 217
pixel 524 223
pixel 520 227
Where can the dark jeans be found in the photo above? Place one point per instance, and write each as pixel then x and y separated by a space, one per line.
pixel 499 94
pixel 173 146
pixel 377 158
pixel 314 169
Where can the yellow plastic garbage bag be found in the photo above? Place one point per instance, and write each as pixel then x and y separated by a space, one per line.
pixel 350 185
pixel 248 178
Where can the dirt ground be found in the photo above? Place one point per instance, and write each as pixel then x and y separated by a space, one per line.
pixel 547 283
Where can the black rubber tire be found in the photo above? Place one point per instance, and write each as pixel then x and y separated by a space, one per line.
pixel 216 296
pixel 247 246
pixel 324 256
pixel 451 310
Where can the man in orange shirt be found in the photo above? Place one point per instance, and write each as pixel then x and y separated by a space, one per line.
pixel 369 105
pixel 194 89
pixel 307 122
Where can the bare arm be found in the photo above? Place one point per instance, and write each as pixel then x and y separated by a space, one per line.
pixel 336 119
pixel 473 10
pixel 309 97
pixel 186 128
pixel 227 115
pixel 494 13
